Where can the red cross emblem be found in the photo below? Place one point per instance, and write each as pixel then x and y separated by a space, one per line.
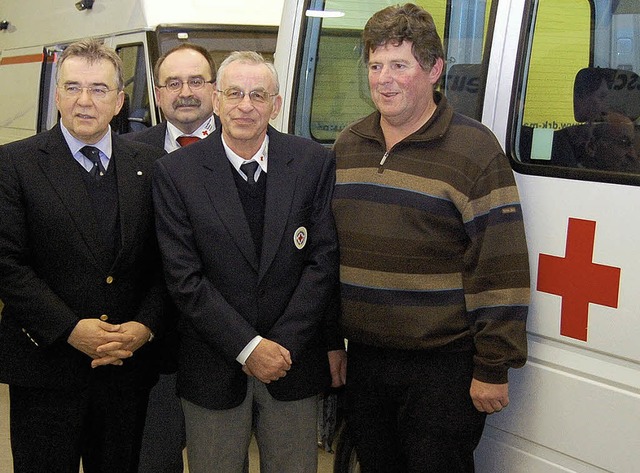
pixel 578 280
pixel 300 237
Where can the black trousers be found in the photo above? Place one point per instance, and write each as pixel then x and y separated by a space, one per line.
pixel 51 429
pixel 411 411
pixel 164 431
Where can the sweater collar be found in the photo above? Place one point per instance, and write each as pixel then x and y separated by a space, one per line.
pixel 434 128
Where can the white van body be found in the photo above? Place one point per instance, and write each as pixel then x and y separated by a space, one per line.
pixel 141 30
pixel 575 406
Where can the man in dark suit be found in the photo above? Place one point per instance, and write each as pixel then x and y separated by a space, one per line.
pixel 80 278
pixel 185 83
pixel 250 255
pixel 185 78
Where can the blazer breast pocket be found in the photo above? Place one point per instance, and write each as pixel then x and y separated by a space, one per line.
pixel 302 216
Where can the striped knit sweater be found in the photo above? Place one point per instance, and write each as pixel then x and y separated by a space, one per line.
pixel 433 252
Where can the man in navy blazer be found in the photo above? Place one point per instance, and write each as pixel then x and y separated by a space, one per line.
pixel 185 82
pixel 80 277
pixel 250 255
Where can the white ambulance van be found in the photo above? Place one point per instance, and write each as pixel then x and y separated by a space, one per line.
pixel 556 81
pixel 33 34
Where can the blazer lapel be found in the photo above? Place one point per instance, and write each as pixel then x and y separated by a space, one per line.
pixel 220 185
pixel 281 183
pixel 159 133
pixel 131 194
pixel 65 176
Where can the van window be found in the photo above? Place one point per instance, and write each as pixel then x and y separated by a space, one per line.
pixel 335 91
pixel 580 96
pixel 135 114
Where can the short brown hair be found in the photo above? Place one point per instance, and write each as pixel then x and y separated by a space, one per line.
pixel 400 23
pixel 194 47
pixel 93 51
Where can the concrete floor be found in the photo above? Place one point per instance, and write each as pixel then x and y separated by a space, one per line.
pixel 325 460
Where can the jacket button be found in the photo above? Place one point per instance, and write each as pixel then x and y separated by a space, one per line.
pixel 104 317
pixel 109 279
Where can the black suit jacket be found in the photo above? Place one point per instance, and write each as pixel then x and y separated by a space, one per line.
pixel 51 272
pixel 153 136
pixel 226 296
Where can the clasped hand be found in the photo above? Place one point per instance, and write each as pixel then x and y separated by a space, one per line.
pixel 268 362
pixel 108 344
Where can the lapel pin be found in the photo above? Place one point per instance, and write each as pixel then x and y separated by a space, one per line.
pixel 300 237
pixel 139 173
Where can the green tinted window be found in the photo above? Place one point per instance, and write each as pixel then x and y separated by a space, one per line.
pixel 335 90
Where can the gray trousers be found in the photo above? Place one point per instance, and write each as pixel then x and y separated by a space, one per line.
pixel 218 440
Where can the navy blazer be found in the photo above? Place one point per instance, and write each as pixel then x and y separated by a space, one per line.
pixel 225 295
pixel 51 272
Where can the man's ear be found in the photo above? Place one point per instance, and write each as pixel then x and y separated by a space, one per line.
pixel 277 105
pixel 436 71
pixel 215 99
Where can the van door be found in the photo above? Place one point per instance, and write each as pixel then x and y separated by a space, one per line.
pixel 572 131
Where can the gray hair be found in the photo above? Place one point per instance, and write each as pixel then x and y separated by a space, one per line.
pixel 93 51
pixel 249 57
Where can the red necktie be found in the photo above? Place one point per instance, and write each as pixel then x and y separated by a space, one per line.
pixel 187 140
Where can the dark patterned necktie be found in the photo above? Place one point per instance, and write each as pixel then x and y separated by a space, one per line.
pixel 91 152
pixel 250 170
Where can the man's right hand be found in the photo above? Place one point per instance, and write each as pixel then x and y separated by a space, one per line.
pixel 269 361
pixel 89 334
pixel 338 367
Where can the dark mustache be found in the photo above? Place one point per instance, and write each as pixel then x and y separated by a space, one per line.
pixel 187 102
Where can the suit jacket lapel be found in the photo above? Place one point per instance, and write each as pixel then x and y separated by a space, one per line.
pixel 281 184
pixel 221 188
pixel 131 193
pixel 65 176
pixel 159 133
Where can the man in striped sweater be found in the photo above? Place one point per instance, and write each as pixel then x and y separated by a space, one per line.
pixel 434 267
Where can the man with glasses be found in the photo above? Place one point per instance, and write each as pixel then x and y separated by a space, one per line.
pixel 185 83
pixel 250 255
pixel 80 278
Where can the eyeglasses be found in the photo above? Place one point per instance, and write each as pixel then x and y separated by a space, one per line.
pixel 195 83
pixel 95 91
pixel 235 95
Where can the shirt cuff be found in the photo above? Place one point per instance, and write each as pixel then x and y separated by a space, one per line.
pixel 248 349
